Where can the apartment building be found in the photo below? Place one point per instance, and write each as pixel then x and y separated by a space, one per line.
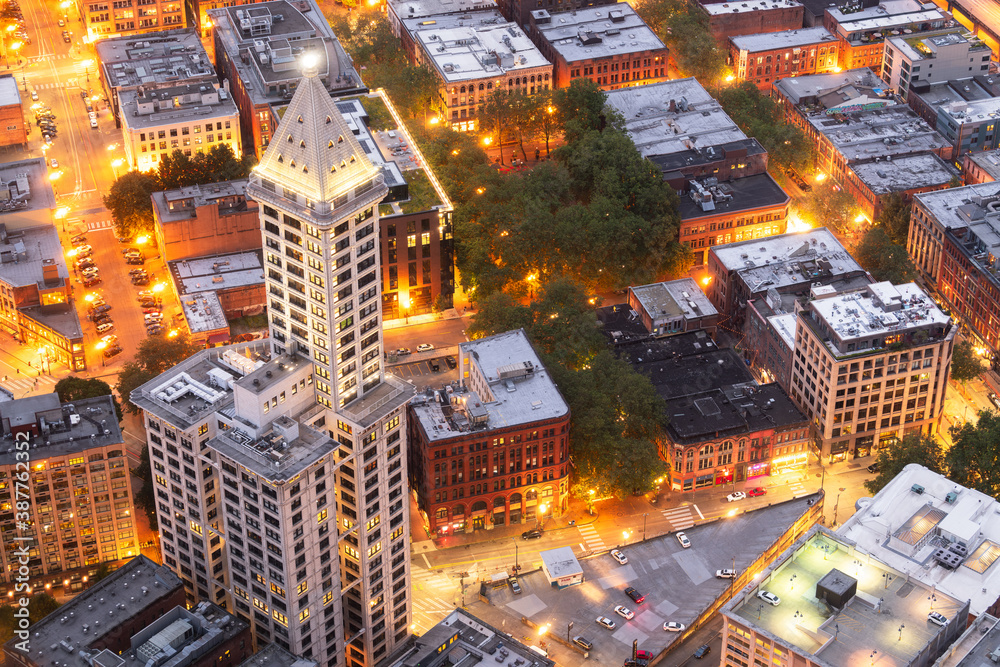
pixel 970 126
pixel 406 17
pixel 981 167
pixel 765 57
pixel 504 417
pixel 732 19
pixel 870 366
pixel 79 498
pixel 610 45
pixel 932 56
pixel 115 18
pixel 518 11
pixel 12 120
pixel 673 307
pixel 192 118
pixel 205 220
pixel 863 28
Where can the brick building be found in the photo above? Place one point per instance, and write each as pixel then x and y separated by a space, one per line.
pixel 407 17
pixel 673 307
pixel 732 19
pixel 115 18
pixel 12 121
pixel 202 220
pixel 518 11
pixel 765 57
pixel 493 448
pixel 862 30
pixel 981 167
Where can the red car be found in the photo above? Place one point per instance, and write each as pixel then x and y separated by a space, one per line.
pixel 150 311
pixel 643 655
pixel 756 491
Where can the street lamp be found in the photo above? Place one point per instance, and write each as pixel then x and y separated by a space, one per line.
pixel 644 515
pixel 888 579
pixel 872 656
pixel 590 501
pixel 901 626
pixel 404 301
pixel 516 566
pixel 100 349
pixel 117 162
pixel 932 599
pixel 791 582
pixel 540 520
pixel 625 536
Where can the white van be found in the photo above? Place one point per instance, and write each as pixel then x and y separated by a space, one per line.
pixel 105 328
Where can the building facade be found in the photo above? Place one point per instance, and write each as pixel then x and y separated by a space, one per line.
pixel 518 11
pixel 116 18
pixel 732 19
pixel 765 57
pixel 931 57
pixel 506 419
pixel 673 307
pixel 862 30
pixel 12 121
pixel 205 220
pixel 981 167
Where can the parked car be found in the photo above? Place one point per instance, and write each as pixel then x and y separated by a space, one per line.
pixel 90 282
pixel 702 651
pixel 619 556
pixel 674 626
pixel 112 351
pixel 101 308
pixel 937 619
pixel 105 328
pixel 451 362
pixel 606 622
pixel 531 534
pixel 624 612
pixel 84 263
pixel 152 310
pixel 146 293
pixel 635 595
pixel 683 539
pixel 435 365
pixel 34 95
pixel 994 400
pixel 736 495
pixel 874 468
pixel 425 347
pixel 140 281
pixel 725 574
pixel 101 319
pixel 640 654
pixel 514 586
pixel 583 643
pixel 137 272
pixel 55 163
pixel 84 250
pixel 402 352
pixel 769 598
pixel 110 339
pixel 135 261
pixel 155 329
pixel 90 271
pixel 66 37
pixel 756 491
pixel 149 303
pixel 79 239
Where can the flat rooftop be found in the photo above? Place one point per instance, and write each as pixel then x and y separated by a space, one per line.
pixel 676 373
pixel 988 161
pixel 422 8
pixel 469 52
pixel 24 254
pixel 596 32
pixel 60 317
pixel 784 326
pixel 155 58
pixel 739 194
pixel 673 116
pixel 924 170
pixel 195 197
pixel 475 18
pixel 354 114
pixel 730 411
pixel 951 207
pixel 291 457
pixel 886 527
pixel 924 46
pixel 985 110
pixel 203 312
pixel 273 655
pixel 218 272
pixel 25 186
pixel 889 131
pixel 675 298
pixel 858 28
pixel 811 87
pixel 620 324
pixel 68 428
pixel 883 9
pixel 737 7
pixel 869 619
pixel 786 39
pixel 201 107
pixel 10 94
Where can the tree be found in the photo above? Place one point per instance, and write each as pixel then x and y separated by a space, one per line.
pixel 565 325
pixel 498 313
pixel 884 259
pixel 175 170
pixel 965 363
pixel 761 117
pixel 130 204
pixel 145 498
pixel 39 606
pixel 685 31
pixel 830 205
pixel 974 457
pixel 73 388
pixel 916 448
pixel 894 217
pixel 155 355
pixel 579 108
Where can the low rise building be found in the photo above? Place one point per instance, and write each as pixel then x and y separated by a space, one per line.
pixel 871 366
pixel 258 50
pixel 937 534
pixel 518 11
pixel 673 307
pixel 927 98
pixel 407 17
pixel 765 57
pixel 80 506
pixel 966 120
pixel 981 167
pixel 978 643
pixel 155 60
pixel 506 419
pixel 16 128
pixel 830 94
pixel 192 118
pixel 867 609
pixel 863 28
pixel 609 45
pixel 117 18
pixel 470 60
pixel 203 220
pixel 869 182
pixel 732 19
pixel 932 56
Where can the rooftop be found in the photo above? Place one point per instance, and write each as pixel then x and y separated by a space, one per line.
pixel 354 114
pixel 737 7
pixel 60 317
pixel 676 298
pixel 89 617
pixel 24 254
pixel 978 644
pixel 988 161
pixel 981 243
pixel 595 32
pixel 273 655
pixel 179 638
pixel 729 411
pixel 909 172
pixel 620 324
pixel 890 131
pixel 686 364
pixel 985 110
pixel 179 204
pixel 957 207
pixel 882 9
pixel 25 186
pixel 219 272
pixel 809 89
pixel 10 94
pixel 836 601
pixel 925 46
pixel 155 58
pixel 471 52
pixel 942 514
pixel 786 39
pixel 168 106
pixel 728 197
pixel 412 9
pixel 507 386
pixel 61 429
pixel 476 18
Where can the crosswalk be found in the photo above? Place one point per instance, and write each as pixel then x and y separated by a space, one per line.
pixel 679 517
pixel 434 596
pixel 98 226
pixel 53 85
pixel 19 385
pixel 591 538
pixel 796 488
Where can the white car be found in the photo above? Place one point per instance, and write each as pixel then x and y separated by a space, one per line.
pixel 725 574
pixel 619 556
pixel 606 622
pixel 674 626
pixel 425 347
pixel 625 612
pixel 738 495
pixel 937 619
pixel 55 163
pixel 769 598
pixel 683 539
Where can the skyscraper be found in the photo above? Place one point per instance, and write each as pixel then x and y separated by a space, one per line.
pixel 299 483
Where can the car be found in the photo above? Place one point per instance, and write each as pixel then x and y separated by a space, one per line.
pixel 736 495
pixel 994 400
pixel 583 643
pixel 97 303
pixel 140 281
pixel 133 253
pixel 624 612
pixel 874 468
pixel 146 294
pixel 84 263
pixel 99 308
pixel 152 310
pixel 531 534
pixel 643 655
pixel 451 362
pixel 61 23
pixel 135 260
pixel 137 272
pixel 635 595
pixel 84 250
pixel 110 339
pixel 153 317
pixel 112 351
pixel 674 626
pixel 402 352
pixel 606 622
pixel 101 319
pixel 93 122
pixel 90 282
pixel 725 574
pixel 769 598
pixel 619 556
pixel 756 491
pixel 514 586
pixel 435 365
pixel 104 328
pixel 55 163
pixel 683 539
pixel 90 271
pixel 79 239
pixel 155 329
pixel 66 37
pixel 34 95
pixel 702 651
pixel 937 619
pixel 149 303
pixel 425 347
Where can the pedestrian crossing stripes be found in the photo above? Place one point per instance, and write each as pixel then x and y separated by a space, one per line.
pixel 51 86
pixel 98 226
pixel 19 385
pixel 796 488
pixel 679 517
pixel 591 538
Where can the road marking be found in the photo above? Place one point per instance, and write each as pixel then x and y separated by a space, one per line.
pixel 426 562
pixel 699 512
pixel 19 384
pixel 590 536
pixel 100 226
pixel 679 517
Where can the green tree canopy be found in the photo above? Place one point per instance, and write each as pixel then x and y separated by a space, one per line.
pixel 884 259
pixel 761 117
pixel 965 363
pixel 74 388
pixel 974 457
pixel 924 450
pixel 130 204
pixel 178 170
pixel 829 205
pixel 684 29
pixel 579 108
pixel 39 606
pixel 155 355
pixel 894 217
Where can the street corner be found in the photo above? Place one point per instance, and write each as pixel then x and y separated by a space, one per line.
pixel 423 546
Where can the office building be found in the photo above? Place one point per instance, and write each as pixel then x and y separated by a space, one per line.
pixel 506 418
pixel 12 118
pixel 117 18
pixel 518 11
pixel 609 45
pixel 155 60
pixel 673 307
pixel 964 111
pixel 79 497
pixel 981 167
pixel 407 17
pixel 203 220
pixel 258 49
pixel 870 366
pixel 837 603
pixel 862 30
pixel 765 57
pixel 732 19
pixel 934 532
pixel 469 60
pixel 932 56
pixel 192 118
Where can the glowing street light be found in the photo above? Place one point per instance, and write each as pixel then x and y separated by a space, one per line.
pixel 820 177
pixel 487 141
pixel 159 287
pixel 142 239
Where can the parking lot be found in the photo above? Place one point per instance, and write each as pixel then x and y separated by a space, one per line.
pixel 422 374
pixel 678 584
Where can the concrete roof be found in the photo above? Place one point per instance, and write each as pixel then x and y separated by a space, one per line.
pixel 155 58
pixel 786 39
pixel 674 298
pixel 200 195
pixel 412 9
pixel 60 317
pixel 905 173
pixel 203 312
pixel 730 411
pixel 196 111
pixel 882 9
pixel 686 364
pixel 475 18
pixel 738 7
pixel 560 562
pixel 749 192
pixel 273 655
pixel 471 52
pixel 28 181
pixel 946 206
pixel 972 517
pixel 92 422
pixel 931 42
pixel 10 94
pixel 613 29
pixel 33 248
pixel 796 88
pixel 784 325
pixel 354 114
pixel 988 161
pixel 893 131
pixel 218 272
pixel 985 110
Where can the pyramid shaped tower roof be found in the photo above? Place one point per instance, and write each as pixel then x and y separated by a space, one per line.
pixel 313 152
